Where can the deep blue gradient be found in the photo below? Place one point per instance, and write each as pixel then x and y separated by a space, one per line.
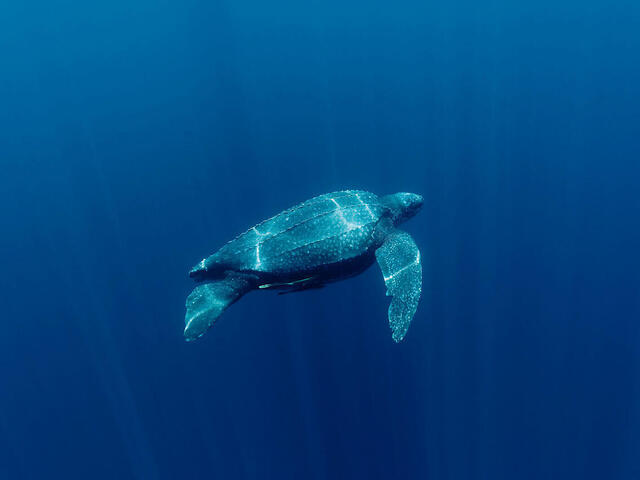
pixel 138 136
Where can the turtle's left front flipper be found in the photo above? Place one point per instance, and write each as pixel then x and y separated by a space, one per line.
pixel 399 260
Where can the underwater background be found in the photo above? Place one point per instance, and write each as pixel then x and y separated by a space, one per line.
pixel 136 137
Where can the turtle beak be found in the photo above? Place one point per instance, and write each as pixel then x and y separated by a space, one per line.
pixel 415 203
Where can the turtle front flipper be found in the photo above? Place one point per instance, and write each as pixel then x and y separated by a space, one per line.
pixel 208 300
pixel 399 260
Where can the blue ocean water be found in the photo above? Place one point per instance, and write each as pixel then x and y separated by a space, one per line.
pixel 138 136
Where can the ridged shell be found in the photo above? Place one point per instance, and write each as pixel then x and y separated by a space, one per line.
pixel 323 230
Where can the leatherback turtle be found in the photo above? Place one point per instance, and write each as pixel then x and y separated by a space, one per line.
pixel 325 239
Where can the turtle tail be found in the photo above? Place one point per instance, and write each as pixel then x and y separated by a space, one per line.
pixel 209 300
pixel 199 271
pixel 207 269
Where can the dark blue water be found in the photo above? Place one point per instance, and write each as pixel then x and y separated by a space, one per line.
pixel 138 136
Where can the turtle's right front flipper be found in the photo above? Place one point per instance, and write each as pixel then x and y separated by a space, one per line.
pixel 208 300
pixel 399 260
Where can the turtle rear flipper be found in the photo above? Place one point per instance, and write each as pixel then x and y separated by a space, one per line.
pixel 208 300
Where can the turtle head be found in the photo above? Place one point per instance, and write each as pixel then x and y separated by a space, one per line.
pixel 403 205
